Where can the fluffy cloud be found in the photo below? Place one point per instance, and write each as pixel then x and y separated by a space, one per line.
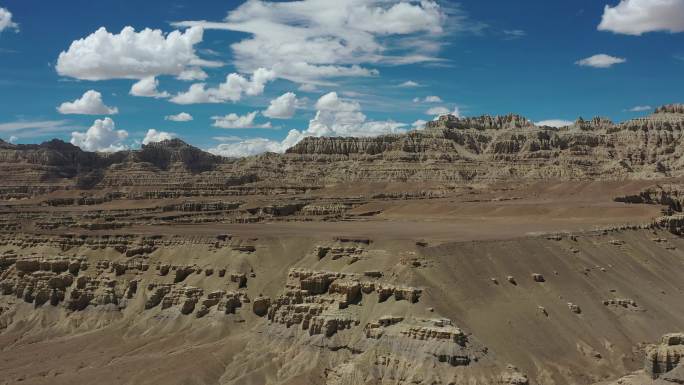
pixel 101 136
pixel 231 90
pixel 153 135
pixel 132 55
pixel 89 104
pixel 247 147
pixel 305 41
pixel 409 84
pixel 147 87
pixel 194 73
pixel 428 99
pixel 635 17
pixel 600 61
pixel 419 124
pixel 441 110
pixel 334 117
pixel 12 139
pixel 182 117
pixel 6 20
pixel 236 121
pixel 282 107
pixel 308 87
pixel 339 117
pixel 640 108
pixel 554 123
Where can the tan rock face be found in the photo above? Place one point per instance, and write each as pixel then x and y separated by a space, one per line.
pixel 454 149
pixel 67 282
pixel 324 308
pixel 665 356
pixel 313 299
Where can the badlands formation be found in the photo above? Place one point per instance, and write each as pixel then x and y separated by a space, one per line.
pixel 481 250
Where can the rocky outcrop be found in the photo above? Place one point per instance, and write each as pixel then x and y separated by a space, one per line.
pixel 70 282
pixel 672 223
pixel 665 356
pixel 621 302
pixel 670 195
pixel 670 109
pixel 168 152
pixel 324 309
pixel 313 299
pixel 484 122
pixel 344 146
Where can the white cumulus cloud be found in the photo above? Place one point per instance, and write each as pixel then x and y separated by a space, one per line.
pixel 334 117
pixel 6 20
pixel 308 87
pixel 89 104
pixel 232 89
pixel 428 99
pixel 194 73
pixel 132 55
pixel 441 110
pixel 147 87
pixel 236 121
pixel 419 124
pixel 641 108
pixel 308 40
pixel 181 117
pixel 636 17
pixel 101 136
pixel 557 123
pixel 282 107
pixel 247 147
pixel 600 61
pixel 409 84
pixel 153 135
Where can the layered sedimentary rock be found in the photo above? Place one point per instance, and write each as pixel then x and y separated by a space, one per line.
pixel 670 195
pixel 330 305
pixel 71 283
pixel 663 364
pixel 665 356
pixel 471 148
pixel 450 149
pixel 403 314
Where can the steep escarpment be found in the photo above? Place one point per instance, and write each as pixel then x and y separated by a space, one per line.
pixel 450 149
pixel 554 309
pixel 29 170
pixel 173 151
pixel 500 147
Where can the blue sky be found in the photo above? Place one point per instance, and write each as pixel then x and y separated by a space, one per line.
pixel 344 67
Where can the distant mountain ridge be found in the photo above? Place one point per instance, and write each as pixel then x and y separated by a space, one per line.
pixel 59 153
pixel 448 150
